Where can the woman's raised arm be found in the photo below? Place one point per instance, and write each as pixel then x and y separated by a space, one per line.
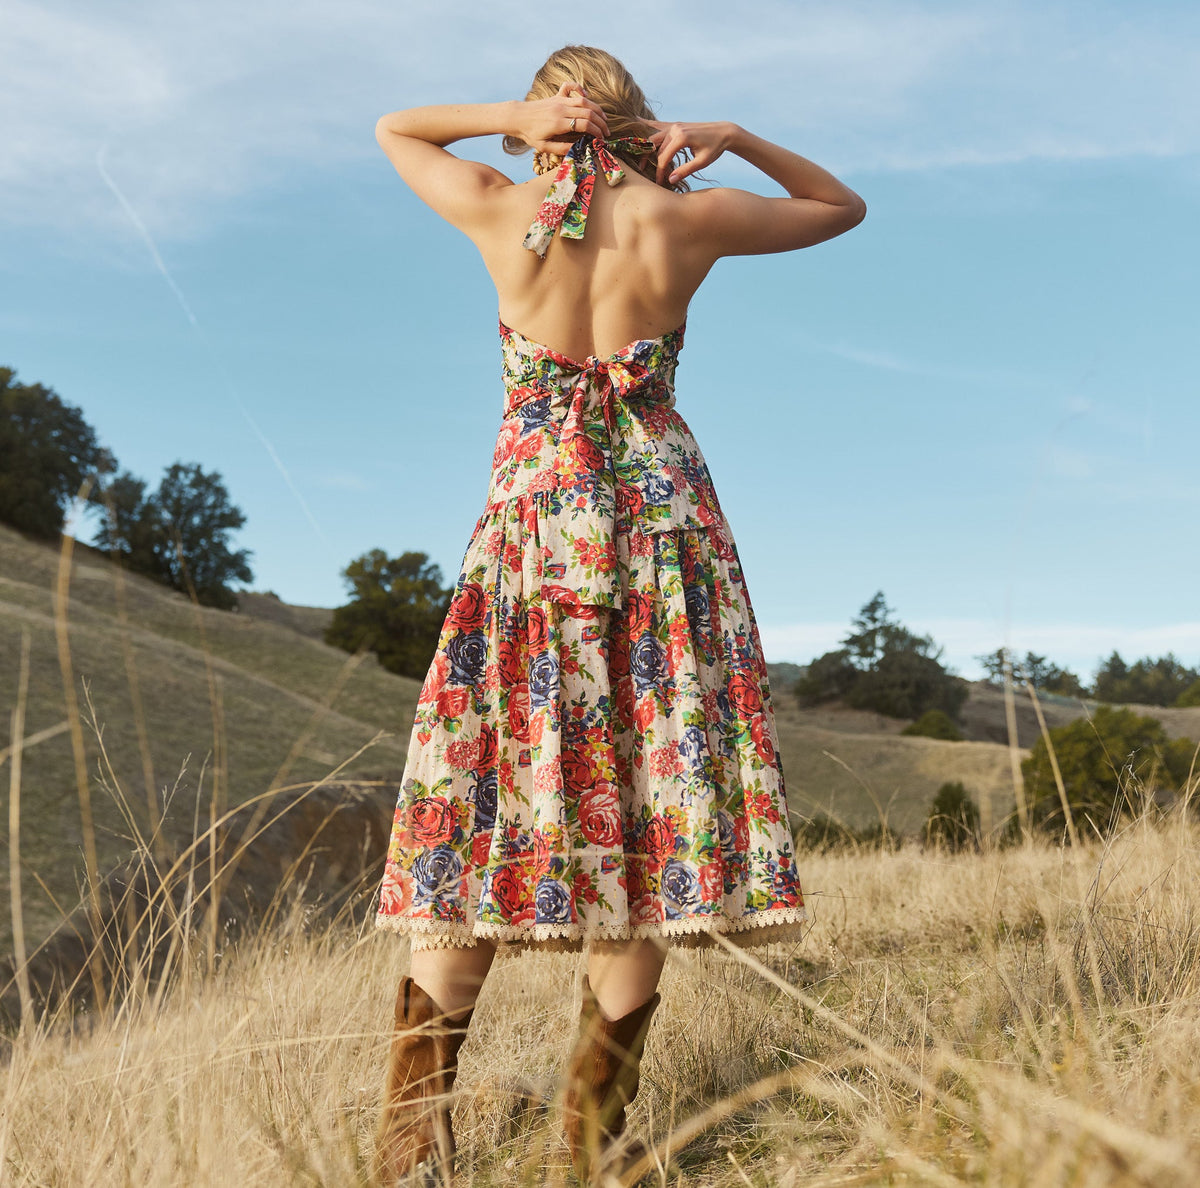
pixel 738 223
pixel 415 141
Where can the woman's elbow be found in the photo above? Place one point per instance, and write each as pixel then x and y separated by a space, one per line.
pixel 856 213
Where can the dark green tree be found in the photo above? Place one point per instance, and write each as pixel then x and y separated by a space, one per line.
pixel 47 450
pixel 396 610
pixel 826 678
pixel 1109 766
pixel 179 535
pixel 885 667
pixel 953 820
pixel 1039 671
pixel 1145 682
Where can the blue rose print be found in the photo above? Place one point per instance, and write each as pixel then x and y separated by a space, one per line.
pixel 680 884
pixel 552 902
pixel 467 653
pixel 436 873
pixel 543 679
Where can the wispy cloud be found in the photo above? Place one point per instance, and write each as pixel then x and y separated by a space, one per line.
pixel 202 105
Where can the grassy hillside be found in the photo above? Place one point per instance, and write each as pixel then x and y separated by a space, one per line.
pixel 856 764
pixel 271 686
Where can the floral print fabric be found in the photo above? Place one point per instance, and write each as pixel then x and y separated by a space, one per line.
pixel 594 752
pixel 565 207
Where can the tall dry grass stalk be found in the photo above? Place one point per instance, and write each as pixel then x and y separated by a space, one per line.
pixel 91 862
pixel 17 736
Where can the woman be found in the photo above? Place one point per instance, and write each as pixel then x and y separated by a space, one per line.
pixel 594 758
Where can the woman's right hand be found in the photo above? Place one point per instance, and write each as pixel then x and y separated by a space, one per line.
pixel 545 124
pixel 706 142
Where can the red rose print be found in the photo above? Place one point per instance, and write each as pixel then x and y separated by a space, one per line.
pixel 395 894
pixel 481 848
pixel 431 821
pixel 586 455
pixel 645 711
pixel 625 702
pixel 629 499
pixel 542 853
pixel 537 630
pixel 712 882
pixel 435 678
pixel 639 614
pixel 468 608
pixel 489 747
pixel 576 770
pixel 762 738
pixel 745 694
pixel 507 891
pixel 510 431
pixel 518 711
pixel 600 815
pixel 741 834
pixel 645 910
pixel 451 703
pixel 528 447
pixel 659 837
pixel 537 723
pixel 618 658
pixel 509 659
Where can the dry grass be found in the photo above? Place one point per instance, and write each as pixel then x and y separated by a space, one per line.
pixel 1023 1017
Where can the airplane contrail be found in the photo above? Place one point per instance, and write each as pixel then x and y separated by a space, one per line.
pixel 159 263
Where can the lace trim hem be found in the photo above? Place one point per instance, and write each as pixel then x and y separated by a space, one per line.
pixel 441 934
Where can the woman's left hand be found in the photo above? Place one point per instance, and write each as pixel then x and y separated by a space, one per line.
pixel 706 142
pixel 553 125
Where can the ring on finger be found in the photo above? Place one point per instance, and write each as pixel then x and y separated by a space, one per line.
pixel 572 123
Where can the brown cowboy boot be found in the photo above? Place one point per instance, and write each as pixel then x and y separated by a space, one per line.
pixel 602 1079
pixel 414 1124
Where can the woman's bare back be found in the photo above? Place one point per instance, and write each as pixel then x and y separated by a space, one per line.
pixel 629 277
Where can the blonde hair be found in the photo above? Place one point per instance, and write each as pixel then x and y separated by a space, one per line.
pixel 610 85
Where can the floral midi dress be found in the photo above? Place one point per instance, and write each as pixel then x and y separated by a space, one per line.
pixel 594 755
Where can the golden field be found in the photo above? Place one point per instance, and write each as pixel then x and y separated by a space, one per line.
pixel 1022 1017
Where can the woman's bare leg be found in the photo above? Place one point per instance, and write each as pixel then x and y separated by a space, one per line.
pixel 453 977
pixel 624 974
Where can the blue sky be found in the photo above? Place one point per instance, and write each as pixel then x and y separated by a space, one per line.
pixel 981 401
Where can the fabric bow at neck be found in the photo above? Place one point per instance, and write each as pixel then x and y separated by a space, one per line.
pixel 565 208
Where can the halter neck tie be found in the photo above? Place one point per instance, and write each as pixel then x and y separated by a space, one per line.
pixel 565 208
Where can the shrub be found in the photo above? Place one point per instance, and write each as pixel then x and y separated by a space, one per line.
pixel 397 610
pixel 953 820
pixel 935 723
pixel 1110 766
